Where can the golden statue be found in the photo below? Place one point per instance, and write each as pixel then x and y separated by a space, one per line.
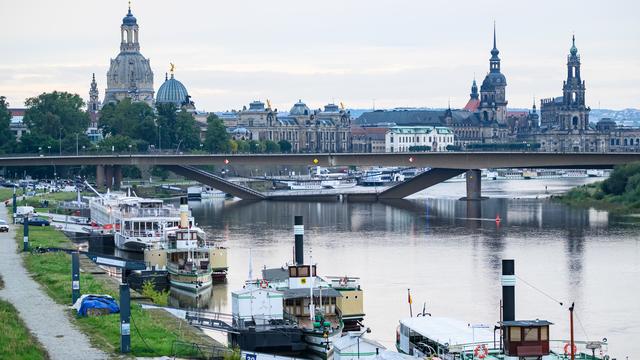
pixel 172 67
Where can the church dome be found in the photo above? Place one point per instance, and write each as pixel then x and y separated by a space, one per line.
pixel 299 109
pixel 492 80
pixel 130 71
pixel 129 20
pixel 172 91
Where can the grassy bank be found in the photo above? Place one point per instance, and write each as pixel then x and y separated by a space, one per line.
pixel 16 342
pixel 620 193
pixel 153 332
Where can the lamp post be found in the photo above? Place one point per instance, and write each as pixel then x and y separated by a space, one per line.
pixel 49 147
pixel 129 149
pixel 60 140
pixel 77 144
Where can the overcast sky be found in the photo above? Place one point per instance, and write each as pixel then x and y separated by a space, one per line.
pixel 396 52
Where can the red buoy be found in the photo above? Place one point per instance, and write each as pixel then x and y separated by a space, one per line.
pixel 498 219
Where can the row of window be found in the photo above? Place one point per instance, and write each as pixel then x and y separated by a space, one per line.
pixel 425 139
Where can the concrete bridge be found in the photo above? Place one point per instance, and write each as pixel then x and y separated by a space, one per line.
pixel 443 166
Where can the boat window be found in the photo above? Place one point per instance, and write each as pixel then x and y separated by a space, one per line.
pixel 293 271
pixel 544 333
pixel 531 334
pixel 314 270
pixel 514 334
pixel 303 271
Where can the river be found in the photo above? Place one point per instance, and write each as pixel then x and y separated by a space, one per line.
pixel 449 254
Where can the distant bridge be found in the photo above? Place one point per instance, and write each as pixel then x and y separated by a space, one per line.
pixel 443 166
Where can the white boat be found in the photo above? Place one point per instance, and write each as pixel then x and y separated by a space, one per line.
pixel 136 223
pixel 213 194
pixel 380 177
pixel 338 184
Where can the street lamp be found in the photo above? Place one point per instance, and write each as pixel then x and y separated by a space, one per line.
pixel 129 149
pixel 49 147
pixel 367 331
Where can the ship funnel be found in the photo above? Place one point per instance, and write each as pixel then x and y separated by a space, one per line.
pixel 298 231
pixel 184 212
pixel 508 290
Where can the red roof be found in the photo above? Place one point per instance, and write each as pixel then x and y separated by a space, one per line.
pixel 472 105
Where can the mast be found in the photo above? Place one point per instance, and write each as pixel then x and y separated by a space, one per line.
pixel 573 353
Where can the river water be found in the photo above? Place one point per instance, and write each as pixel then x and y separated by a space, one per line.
pixel 449 252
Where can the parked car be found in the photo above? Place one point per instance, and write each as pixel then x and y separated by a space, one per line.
pixel 39 222
pixel 3 226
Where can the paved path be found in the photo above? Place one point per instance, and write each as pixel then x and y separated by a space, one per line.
pixel 47 320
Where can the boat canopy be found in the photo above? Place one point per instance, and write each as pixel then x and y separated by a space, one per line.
pixel 448 331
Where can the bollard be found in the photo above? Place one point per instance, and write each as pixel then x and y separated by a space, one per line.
pixel 75 277
pixel 125 315
pixel 25 238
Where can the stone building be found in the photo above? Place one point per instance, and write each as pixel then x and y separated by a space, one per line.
pixel 368 139
pixel 564 121
pixel 418 138
pixel 129 74
pixel 321 130
pixel 493 102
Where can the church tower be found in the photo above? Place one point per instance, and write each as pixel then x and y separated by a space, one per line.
pixel 493 103
pixel 129 74
pixel 574 114
pixel 94 101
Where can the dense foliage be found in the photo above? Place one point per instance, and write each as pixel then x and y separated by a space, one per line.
pixel 7 139
pixel 620 192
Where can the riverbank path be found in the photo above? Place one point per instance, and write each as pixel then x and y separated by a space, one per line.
pixel 48 321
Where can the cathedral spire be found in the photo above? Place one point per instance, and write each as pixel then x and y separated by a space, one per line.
pixel 474 89
pixel 494 62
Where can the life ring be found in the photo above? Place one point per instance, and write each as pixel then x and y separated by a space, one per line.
pixel 567 350
pixel 481 351
pixel 344 281
pixel 264 283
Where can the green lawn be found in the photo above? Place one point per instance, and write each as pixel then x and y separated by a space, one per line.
pixel 16 341
pixel 53 272
pixel 44 236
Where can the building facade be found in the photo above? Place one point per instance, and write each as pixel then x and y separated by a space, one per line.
pixel 418 138
pixel 129 74
pixel 321 130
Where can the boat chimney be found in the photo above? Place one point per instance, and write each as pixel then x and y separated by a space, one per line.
pixel 298 231
pixel 184 213
pixel 508 290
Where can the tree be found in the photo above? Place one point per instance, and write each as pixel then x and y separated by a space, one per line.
pixel 136 120
pixel 271 147
pixel 119 143
pixel 243 146
pixel 7 139
pixel 187 131
pixel 285 146
pixel 217 139
pixel 233 146
pixel 56 115
pixel 256 147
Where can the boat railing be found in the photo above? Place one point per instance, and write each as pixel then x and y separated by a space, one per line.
pixel 343 282
pixel 586 350
pixel 155 212
pixel 142 233
pixel 264 322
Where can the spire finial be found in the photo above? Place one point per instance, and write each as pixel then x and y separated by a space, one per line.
pixel 449 103
pixel 93 77
pixel 129 5
pixel 494 34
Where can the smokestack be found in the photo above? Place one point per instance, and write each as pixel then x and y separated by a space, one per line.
pixel 508 290
pixel 298 231
pixel 184 213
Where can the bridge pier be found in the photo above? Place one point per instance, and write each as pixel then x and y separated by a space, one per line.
pixel 474 184
pixel 117 177
pixel 108 174
pixel 100 176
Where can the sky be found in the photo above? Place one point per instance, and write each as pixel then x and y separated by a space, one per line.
pixel 400 53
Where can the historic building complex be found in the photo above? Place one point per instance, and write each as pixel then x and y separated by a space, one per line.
pixel 321 130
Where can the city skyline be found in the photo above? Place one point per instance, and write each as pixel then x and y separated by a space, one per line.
pixel 337 53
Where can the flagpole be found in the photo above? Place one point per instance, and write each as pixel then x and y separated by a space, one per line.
pixel 409 300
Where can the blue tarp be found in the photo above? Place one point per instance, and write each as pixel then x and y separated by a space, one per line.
pixel 98 302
